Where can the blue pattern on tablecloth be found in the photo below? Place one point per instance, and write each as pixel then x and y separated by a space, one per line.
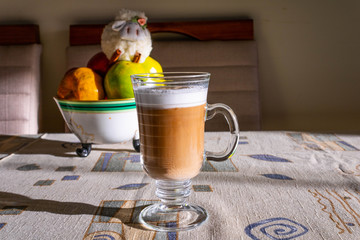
pixel 134 158
pixel 275 229
pixel 2 225
pixel 46 182
pixel 132 186
pixel 70 178
pixel 103 237
pixel 347 146
pixel 12 210
pixel 270 158
pixel 65 169
pixel 28 167
pixel 171 235
pixel 277 176
pixel 201 188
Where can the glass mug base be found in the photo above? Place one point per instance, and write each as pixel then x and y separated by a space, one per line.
pixel 164 218
pixel 173 213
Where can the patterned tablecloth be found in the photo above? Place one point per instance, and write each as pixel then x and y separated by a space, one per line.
pixel 278 185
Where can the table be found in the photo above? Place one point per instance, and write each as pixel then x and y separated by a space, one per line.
pixel 278 185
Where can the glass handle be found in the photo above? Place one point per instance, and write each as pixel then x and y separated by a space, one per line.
pixel 228 113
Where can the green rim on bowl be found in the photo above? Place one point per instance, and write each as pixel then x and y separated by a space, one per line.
pixel 102 106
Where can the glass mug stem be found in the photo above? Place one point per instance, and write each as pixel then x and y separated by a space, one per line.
pixel 173 193
pixel 228 113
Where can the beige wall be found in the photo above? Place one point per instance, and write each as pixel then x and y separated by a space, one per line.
pixel 308 52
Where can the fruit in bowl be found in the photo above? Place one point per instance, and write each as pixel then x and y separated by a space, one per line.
pixel 98 114
pixel 81 84
pixel 99 63
pixel 117 81
pixel 151 65
pixel 97 101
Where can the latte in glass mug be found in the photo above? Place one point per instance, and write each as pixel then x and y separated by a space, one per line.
pixel 172 111
pixel 171 125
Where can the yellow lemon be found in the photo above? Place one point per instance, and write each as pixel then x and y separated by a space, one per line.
pixel 151 65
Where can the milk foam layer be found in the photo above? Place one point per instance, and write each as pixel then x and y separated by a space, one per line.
pixel 170 98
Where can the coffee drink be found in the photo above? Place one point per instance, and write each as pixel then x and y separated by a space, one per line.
pixel 171 124
pixel 172 110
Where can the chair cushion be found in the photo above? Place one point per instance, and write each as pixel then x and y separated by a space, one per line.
pixel 19 88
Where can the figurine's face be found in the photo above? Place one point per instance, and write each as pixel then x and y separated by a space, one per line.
pixel 133 30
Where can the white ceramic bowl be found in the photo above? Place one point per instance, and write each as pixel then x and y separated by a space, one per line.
pixel 102 122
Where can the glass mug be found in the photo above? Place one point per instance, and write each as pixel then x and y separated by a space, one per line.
pixel 172 111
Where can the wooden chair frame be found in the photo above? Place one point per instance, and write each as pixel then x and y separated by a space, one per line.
pixel 19 34
pixel 201 30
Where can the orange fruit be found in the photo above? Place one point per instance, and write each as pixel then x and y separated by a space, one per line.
pixel 81 84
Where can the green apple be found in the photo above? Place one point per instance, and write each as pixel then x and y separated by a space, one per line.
pixel 117 81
